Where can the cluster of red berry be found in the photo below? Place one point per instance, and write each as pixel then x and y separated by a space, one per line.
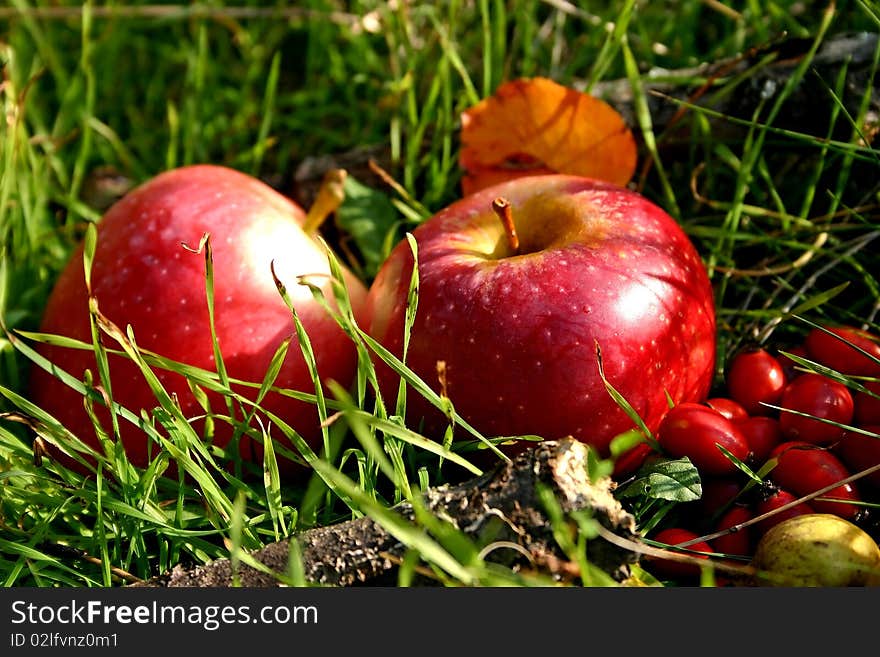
pixel 808 425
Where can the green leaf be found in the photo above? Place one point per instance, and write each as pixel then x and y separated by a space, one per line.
pixel 676 480
pixel 368 216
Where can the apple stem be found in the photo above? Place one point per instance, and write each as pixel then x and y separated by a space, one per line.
pixel 501 207
pixel 329 198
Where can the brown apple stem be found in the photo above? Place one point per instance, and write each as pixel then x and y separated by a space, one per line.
pixel 501 207
pixel 329 198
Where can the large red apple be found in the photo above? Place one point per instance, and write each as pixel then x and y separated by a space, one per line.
pixel 596 264
pixel 143 275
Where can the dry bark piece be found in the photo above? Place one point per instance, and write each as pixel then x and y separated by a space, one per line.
pixel 501 505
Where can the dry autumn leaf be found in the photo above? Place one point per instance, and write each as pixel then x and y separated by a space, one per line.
pixel 534 126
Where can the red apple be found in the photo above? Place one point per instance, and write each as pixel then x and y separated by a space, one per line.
pixel 143 276
pixel 596 264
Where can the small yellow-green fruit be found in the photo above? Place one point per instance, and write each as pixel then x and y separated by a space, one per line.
pixel 816 549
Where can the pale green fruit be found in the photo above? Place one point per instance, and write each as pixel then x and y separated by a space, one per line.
pixel 817 549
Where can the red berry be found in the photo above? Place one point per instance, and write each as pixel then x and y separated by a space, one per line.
pixel 729 408
pixel 661 567
pixel 762 433
pixel 840 354
pixel 755 377
pixel 777 499
pixel 805 468
pixel 695 431
pixel 718 492
pixel 631 460
pixel 867 406
pixel 819 397
pixel 738 542
pixel 860 452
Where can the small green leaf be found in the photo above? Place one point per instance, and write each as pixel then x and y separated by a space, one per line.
pixel 368 216
pixel 676 480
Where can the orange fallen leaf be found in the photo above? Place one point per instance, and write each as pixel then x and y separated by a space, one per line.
pixel 534 125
